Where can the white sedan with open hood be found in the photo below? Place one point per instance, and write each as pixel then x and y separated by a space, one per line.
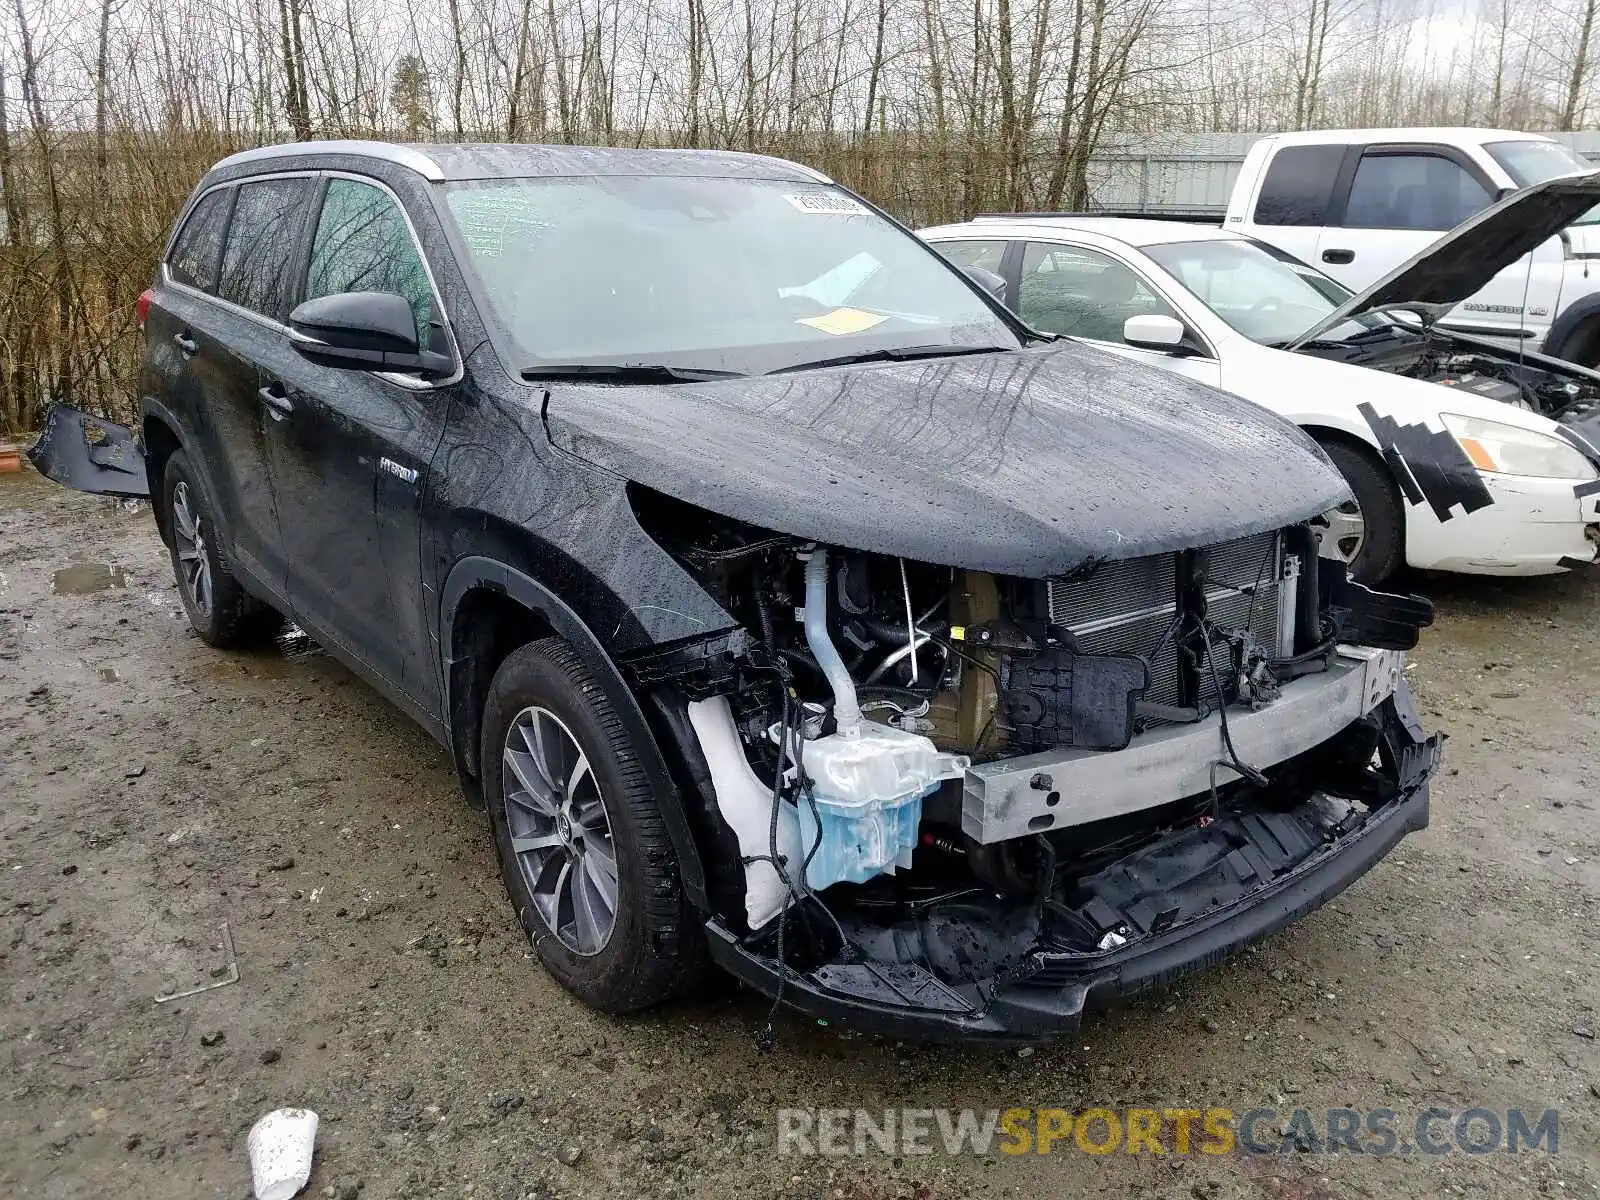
pixel 1462 454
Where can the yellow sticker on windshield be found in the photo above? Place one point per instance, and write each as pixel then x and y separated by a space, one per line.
pixel 844 320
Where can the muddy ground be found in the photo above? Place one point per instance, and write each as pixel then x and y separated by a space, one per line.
pixel 152 790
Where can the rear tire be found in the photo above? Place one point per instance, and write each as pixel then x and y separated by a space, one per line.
pixel 1379 549
pixel 583 833
pixel 219 609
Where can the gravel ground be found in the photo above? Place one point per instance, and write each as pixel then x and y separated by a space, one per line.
pixel 153 791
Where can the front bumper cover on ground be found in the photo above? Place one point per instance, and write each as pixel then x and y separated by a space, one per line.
pixel 905 1000
pixel 89 454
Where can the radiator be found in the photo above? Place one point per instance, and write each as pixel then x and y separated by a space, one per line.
pixel 1128 607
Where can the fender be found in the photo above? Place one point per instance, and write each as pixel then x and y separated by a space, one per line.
pixel 1569 322
pixel 1349 424
pixel 150 409
pixel 475 571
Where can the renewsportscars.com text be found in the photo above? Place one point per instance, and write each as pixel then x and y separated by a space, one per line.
pixel 839 1132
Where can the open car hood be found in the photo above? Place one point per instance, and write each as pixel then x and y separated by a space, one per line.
pixel 1022 463
pixel 1470 255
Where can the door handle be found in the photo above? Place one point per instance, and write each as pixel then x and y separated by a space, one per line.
pixel 1338 257
pixel 186 343
pixel 274 400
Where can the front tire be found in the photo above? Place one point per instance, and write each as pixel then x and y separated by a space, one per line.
pixel 1368 534
pixel 584 852
pixel 219 609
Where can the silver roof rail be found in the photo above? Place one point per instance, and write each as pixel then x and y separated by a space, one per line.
pixel 405 156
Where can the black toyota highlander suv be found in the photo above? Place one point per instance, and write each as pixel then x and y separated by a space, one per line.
pixel 786 602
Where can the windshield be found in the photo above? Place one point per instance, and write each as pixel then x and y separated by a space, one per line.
pixel 1529 163
pixel 748 276
pixel 1263 297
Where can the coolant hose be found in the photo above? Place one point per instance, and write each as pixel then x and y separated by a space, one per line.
pixel 846 712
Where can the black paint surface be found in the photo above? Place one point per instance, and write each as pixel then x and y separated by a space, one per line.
pixel 1025 463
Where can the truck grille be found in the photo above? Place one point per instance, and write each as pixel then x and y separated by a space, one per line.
pixel 1128 607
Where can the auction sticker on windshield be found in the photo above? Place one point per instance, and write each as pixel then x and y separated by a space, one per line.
pixel 842 321
pixel 829 204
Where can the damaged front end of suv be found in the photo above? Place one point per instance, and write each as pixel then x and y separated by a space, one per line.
pixel 971 798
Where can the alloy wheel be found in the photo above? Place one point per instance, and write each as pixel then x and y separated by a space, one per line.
pixel 556 819
pixel 194 565
pixel 1344 532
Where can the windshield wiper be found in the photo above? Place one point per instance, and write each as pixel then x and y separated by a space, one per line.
pixel 892 354
pixel 624 373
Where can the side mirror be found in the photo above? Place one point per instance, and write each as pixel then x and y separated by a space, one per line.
pixel 363 331
pixel 994 284
pixel 1154 332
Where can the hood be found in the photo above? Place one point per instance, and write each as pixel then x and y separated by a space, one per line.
pixel 1464 260
pixel 1023 463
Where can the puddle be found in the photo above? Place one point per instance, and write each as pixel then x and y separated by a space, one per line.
pixel 80 579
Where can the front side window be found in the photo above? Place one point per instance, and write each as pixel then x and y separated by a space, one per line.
pixel 1412 191
pixel 193 260
pixel 988 255
pixel 738 275
pixel 1299 185
pixel 263 237
pixel 1259 294
pixel 363 244
pixel 1067 289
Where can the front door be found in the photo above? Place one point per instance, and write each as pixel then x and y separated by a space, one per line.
pixel 350 452
pixel 1085 293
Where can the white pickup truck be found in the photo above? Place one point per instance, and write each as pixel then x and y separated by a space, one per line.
pixel 1358 202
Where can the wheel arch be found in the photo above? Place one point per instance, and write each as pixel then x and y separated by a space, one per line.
pixel 159 431
pixel 489 608
pixel 1366 449
pixel 1578 320
pixel 1361 443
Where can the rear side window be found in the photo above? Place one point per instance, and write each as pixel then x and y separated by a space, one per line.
pixel 1412 191
pixel 193 260
pixel 1299 186
pixel 364 245
pixel 258 263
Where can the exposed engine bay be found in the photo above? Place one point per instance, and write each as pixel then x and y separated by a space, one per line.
pixel 964 775
pixel 1536 382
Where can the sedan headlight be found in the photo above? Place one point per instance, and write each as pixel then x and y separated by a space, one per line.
pixel 1509 450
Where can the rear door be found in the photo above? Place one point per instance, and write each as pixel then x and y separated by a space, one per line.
pixel 350 450
pixel 1296 198
pixel 182 312
pixel 217 332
